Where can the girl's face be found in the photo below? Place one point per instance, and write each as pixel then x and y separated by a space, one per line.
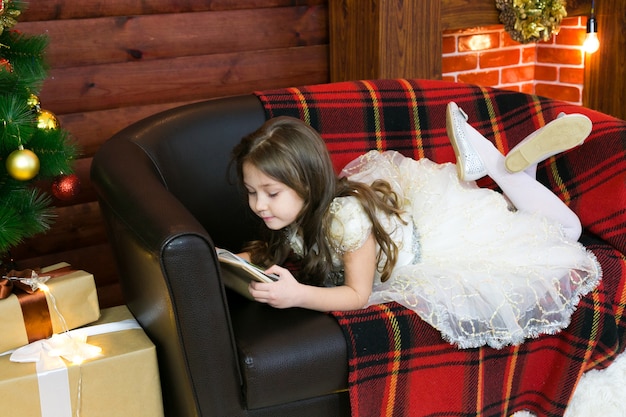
pixel 271 200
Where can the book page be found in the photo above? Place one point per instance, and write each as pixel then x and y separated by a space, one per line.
pixel 226 257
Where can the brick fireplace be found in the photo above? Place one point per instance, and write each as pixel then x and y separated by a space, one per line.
pixel 488 56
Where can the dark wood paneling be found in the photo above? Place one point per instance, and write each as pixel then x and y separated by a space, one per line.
pixel 95 127
pixel 394 39
pixel 605 80
pixel 141 38
pixel 81 222
pixel 100 87
pixel 82 9
pixel 462 14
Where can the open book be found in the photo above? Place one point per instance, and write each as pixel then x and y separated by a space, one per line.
pixel 237 272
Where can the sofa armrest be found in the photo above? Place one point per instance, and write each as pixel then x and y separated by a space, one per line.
pixel 175 291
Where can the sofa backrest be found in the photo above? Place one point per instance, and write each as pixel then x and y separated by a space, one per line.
pixel 409 116
pixel 190 148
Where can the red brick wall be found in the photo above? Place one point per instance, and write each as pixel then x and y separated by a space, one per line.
pixel 488 56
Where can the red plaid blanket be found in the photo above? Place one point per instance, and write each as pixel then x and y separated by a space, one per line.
pixel 400 366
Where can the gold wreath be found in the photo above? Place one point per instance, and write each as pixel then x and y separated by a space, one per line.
pixel 8 15
pixel 531 20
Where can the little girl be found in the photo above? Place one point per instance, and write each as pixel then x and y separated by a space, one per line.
pixel 391 228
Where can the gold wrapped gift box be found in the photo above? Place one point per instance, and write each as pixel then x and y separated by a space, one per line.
pixel 76 299
pixel 122 382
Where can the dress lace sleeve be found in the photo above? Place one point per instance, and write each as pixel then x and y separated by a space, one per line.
pixel 350 226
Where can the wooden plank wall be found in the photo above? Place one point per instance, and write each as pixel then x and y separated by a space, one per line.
pixel 115 62
pixel 605 81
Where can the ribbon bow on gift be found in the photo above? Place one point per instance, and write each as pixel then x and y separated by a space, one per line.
pixel 52 375
pixel 73 348
pixel 27 281
pixel 26 286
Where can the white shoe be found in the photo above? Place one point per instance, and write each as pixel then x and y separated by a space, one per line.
pixel 563 133
pixel 469 166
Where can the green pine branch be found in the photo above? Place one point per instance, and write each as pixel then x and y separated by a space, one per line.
pixel 27 56
pixel 12 83
pixel 55 150
pixel 17 122
pixel 26 210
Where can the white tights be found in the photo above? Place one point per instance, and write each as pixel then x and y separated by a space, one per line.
pixel 522 188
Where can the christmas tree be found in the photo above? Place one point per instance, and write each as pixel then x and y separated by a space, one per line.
pixel 33 148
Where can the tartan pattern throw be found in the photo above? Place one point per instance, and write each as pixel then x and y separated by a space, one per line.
pixel 400 366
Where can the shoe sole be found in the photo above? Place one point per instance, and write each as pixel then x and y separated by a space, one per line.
pixel 450 117
pixel 557 136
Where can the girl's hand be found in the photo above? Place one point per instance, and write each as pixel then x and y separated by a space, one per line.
pixel 283 293
pixel 360 267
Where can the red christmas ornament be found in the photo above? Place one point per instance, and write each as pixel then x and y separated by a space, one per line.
pixel 66 187
pixel 5 65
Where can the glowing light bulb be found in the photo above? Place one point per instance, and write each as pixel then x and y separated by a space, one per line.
pixel 592 43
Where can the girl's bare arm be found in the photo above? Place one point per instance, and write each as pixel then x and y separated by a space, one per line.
pixel 360 267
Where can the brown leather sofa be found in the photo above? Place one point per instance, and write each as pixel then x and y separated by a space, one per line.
pixel 163 185
pixel 167 199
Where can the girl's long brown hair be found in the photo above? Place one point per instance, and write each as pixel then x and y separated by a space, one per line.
pixel 294 154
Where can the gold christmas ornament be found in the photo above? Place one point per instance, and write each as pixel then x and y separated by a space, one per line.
pixel 22 164
pixel 46 120
pixel 33 102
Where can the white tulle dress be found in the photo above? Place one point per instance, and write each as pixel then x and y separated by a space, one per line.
pixel 469 265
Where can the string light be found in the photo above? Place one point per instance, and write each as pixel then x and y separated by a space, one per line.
pixel 52 299
pixel 75 347
pixel 592 43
